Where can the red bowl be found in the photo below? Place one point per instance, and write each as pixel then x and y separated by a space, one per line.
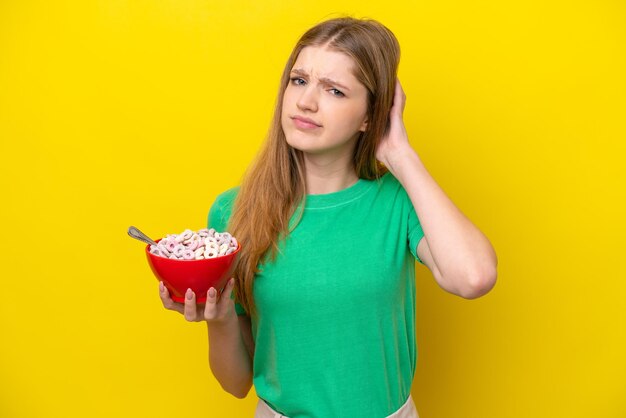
pixel 197 275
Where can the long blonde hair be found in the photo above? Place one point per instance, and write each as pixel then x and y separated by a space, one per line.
pixel 274 184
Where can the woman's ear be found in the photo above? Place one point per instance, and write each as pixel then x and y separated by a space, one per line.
pixel 363 127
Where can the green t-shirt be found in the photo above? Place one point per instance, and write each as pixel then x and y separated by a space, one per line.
pixel 335 333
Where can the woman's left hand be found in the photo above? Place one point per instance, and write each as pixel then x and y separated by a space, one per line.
pixel 394 145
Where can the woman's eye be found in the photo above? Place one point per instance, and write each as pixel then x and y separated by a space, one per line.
pixel 299 81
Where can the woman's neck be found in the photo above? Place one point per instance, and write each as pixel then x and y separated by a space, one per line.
pixel 322 179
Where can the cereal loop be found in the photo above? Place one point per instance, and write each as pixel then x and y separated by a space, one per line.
pixel 190 245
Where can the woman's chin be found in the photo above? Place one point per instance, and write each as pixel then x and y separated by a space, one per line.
pixel 300 144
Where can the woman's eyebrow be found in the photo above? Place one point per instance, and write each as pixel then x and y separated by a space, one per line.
pixel 324 80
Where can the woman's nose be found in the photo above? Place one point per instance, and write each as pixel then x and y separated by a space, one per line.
pixel 308 99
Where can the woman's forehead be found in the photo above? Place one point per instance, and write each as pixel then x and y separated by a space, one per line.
pixel 320 62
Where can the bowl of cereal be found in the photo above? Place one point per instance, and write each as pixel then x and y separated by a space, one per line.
pixel 193 260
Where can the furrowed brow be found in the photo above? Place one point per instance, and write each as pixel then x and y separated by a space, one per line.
pixel 324 80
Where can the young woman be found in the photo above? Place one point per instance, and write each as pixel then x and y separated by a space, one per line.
pixel 331 217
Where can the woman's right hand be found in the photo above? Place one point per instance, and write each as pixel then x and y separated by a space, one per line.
pixel 219 307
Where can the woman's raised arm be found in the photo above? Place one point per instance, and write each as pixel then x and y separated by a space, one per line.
pixel 460 256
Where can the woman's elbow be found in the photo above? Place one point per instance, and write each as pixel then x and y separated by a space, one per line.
pixel 241 394
pixel 239 391
pixel 235 382
pixel 480 282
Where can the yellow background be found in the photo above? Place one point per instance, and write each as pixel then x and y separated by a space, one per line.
pixel 119 112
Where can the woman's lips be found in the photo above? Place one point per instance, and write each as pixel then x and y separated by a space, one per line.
pixel 304 123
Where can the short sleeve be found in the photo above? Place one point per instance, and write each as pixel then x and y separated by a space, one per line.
pixel 415 231
pixel 219 216
pixel 238 307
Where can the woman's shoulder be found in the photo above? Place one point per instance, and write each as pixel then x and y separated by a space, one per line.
pixel 227 197
pixel 387 182
pixel 221 209
pixel 389 188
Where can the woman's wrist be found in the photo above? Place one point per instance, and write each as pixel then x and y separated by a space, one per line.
pixel 403 160
pixel 224 325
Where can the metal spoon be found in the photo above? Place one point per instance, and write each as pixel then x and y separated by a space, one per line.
pixel 138 235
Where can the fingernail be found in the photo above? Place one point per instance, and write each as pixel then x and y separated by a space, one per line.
pixel 161 287
pixel 189 294
pixel 212 292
